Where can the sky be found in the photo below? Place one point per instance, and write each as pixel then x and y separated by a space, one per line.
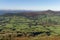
pixel 29 4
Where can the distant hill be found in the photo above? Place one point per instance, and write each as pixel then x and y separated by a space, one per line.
pixel 28 12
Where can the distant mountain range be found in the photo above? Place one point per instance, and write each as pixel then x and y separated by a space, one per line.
pixel 13 11
pixel 29 12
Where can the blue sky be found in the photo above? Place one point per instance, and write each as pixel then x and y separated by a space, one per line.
pixel 30 4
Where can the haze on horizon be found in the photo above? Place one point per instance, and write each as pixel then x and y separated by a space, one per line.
pixel 29 4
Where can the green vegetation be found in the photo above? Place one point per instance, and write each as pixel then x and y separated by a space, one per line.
pixel 42 24
pixel 39 23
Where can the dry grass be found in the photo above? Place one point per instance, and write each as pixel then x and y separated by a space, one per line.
pixel 39 38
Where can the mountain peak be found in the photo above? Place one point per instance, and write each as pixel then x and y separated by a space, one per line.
pixel 49 10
